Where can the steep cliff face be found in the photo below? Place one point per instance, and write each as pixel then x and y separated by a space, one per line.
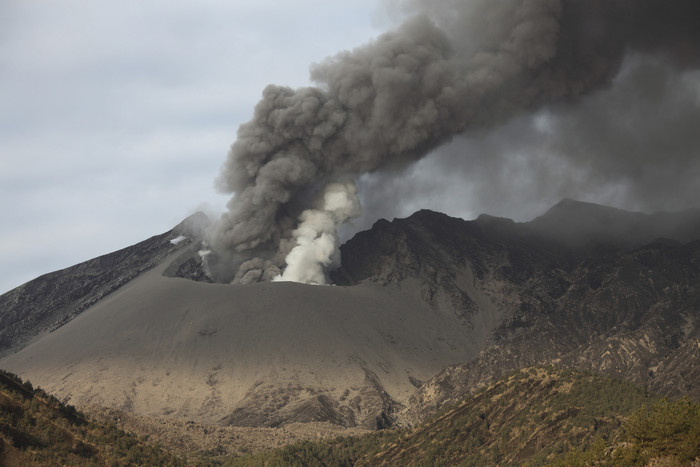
pixel 473 268
pixel 584 286
pixel 626 318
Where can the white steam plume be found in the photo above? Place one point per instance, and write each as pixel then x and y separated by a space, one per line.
pixel 317 246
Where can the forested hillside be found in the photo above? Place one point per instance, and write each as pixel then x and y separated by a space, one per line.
pixel 37 429
pixel 538 416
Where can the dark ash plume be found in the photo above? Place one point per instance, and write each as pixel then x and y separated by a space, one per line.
pixel 452 67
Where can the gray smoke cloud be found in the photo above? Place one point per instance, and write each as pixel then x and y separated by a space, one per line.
pixel 454 67
pixel 632 144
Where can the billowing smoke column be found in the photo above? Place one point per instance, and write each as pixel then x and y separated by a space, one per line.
pixel 455 65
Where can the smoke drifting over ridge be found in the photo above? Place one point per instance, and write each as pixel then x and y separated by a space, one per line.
pixel 451 68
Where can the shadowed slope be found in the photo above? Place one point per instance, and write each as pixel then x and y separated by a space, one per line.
pixel 577 223
pixel 582 294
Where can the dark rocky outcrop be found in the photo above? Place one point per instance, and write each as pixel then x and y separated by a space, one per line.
pixel 636 322
pixel 584 286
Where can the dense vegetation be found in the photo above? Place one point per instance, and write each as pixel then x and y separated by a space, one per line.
pixel 537 416
pixel 343 451
pixel 37 429
pixel 667 432
pixel 533 417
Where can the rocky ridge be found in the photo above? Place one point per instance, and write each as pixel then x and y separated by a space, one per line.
pixel 580 295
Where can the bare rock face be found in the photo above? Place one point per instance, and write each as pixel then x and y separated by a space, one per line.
pixel 579 296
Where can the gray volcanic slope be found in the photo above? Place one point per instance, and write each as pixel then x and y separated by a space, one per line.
pixel 430 308
pixel 48 302
pixel 252 355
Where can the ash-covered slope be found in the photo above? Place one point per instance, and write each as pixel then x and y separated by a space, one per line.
pixel 51 300
pixel 257 355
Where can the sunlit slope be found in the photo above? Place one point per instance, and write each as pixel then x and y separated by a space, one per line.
pixel 256 355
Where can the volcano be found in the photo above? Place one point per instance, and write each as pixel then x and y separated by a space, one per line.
pixel 424 310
